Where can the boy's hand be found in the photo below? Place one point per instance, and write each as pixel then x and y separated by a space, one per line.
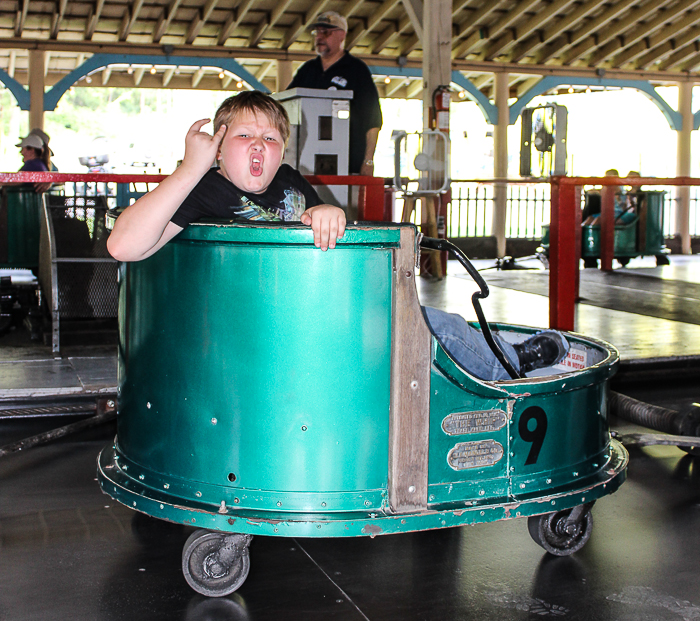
pixel 201 149
pixel 327 223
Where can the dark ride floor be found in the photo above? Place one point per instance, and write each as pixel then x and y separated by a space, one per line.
pixel 69 552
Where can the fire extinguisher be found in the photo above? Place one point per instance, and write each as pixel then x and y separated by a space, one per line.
pixel 441 109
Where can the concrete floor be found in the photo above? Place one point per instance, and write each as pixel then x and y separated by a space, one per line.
pixel 69 552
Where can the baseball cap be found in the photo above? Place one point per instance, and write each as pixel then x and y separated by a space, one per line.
pixel 31 141
pixel 330 19
pixel 43 135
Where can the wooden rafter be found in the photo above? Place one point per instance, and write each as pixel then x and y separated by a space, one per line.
pixel 234 20
pixel 472 29
pixel 679 57
pixel 138 75
pixel 637 34
pixel 693 62
pixel 164 20
pixel 513 35
pixel 106 73
pixel 197 77
pixel 198 22
pixel 92 19
pixel 651 41
pixel 565 24
pixel 268 21
pixel 167 76
pixel 21 17
pixel 378 15
pixel 391 34
pixel 129 19
pixel 57 18
pixel 662 52
pixel 610 32
pixel 11 63
pixel 301 23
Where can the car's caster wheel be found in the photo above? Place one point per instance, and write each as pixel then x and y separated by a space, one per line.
pixel 623 261
pixel 216 564
pixel 590 263
pixel 662 259
pixel 564 532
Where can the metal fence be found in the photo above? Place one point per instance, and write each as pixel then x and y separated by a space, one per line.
pixel 528 208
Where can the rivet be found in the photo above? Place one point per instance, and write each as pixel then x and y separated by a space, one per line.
pixel 162 507
pixel 279 504
pixel 483 513
pixel 522 486
pixel 411 489
pixel 110 403
pixel 367 503
pixel 198 494
pixel 443 522
pixel 549 480
pixel 304 427
pixel 323 504
pixel 134 504
pixel 236 500
pixel 553 502
pixel 214 421
pixel 318 526
pixel 408 273
pixel 148 405
pixel 512 454
pixel 575 474
pixel 166 486
pixel 276 530
pixel 403 521
pixel 125 467
pixel 432 497
pixel 414 384
pixel 481 492
pixel 141 477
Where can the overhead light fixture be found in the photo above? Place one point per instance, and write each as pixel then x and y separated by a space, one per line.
pixel 153 70
pixel 571 89
pixel 130 70
pixel 387 80
pixel 222 75
pixel 88 79
pixel 239 85
pixel 461 95
pixel 588 89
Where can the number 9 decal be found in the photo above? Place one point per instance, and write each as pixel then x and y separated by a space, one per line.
pixel 535 435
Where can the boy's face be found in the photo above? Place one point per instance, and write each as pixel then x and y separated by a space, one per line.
pixel 251 152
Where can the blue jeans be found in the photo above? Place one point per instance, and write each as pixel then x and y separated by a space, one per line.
pixel 468 346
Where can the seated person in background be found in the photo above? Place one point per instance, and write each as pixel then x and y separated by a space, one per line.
pixel 250 133
pixel 46 155
pixel 32 151
pixel 625 203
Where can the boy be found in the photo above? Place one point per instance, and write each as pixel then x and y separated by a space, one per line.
pixel 250 133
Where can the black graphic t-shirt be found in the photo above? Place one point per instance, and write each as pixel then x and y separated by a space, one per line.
pixel 286 198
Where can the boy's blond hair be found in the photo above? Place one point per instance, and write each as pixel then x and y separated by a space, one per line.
pixel 253 102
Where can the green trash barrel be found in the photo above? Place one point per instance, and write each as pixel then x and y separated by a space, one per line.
pixel 20 212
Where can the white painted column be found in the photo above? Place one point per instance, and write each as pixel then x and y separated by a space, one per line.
pixel 284 74
pixel 682 220
pixel 37 72
pixel 437 48
pixel 500 163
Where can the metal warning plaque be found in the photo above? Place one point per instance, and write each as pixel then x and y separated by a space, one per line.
pixel 466 455
pixel 479 421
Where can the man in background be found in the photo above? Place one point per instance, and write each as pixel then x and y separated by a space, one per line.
pixel 336 69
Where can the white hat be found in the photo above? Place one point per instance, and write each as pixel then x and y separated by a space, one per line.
pixel 31 141
pixel 330 19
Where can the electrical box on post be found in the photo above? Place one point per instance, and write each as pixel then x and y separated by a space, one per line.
pixel 543 141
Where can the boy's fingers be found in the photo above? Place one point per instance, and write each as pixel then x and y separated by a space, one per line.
pixel 197 125
pixel 219 136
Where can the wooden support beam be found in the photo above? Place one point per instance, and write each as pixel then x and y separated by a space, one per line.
pixel 20 17
pixel 301 23
pixel 198 22
pixel 93 18
pixel 164 20
pixel 678 58
pixel 379 14
pixel 197 77
pixel 664 51
pixel 138 75
pixel 266 24
pixel 639 33
pixel 234 20
pixel 129 19
pixel 106 73
pixel 566 42
pixel 565 24
pixel 11 63
pixel 168 75
pixel 57 18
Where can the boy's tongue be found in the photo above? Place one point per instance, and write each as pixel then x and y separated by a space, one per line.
pixel 256 166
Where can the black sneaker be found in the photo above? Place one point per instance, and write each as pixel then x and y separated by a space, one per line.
pixel 544 349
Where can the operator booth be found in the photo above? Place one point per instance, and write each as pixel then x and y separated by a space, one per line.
pixel 319 141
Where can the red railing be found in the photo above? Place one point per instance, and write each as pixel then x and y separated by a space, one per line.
pixel 565 236
pixel 370 206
